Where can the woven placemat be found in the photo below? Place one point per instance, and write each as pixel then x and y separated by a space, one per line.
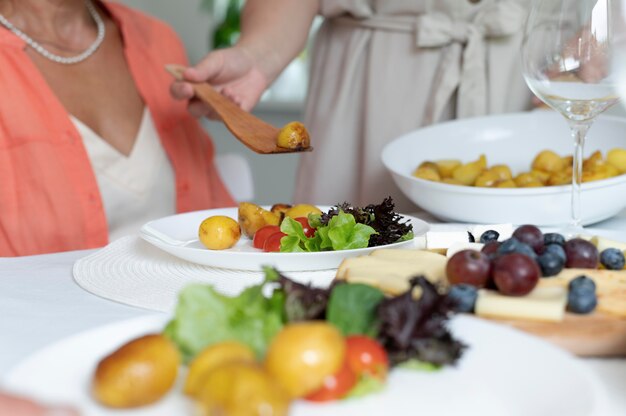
pixel 133 272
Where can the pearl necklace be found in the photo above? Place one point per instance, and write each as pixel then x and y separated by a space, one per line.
pixel 62 59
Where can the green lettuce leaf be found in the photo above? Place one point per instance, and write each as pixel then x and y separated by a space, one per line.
pixel 204 317
pixel 352 309
pixel 417 365
pixel 341 233
pixel 365 386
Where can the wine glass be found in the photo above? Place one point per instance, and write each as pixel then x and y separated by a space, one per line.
pixel 567 63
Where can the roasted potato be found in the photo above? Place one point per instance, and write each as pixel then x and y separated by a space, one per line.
pixel 487 179
pixel 507 183
pixel 503 171
pixel 280 210
pixel 469 172
pixel 252 217
pixel 617 158
pixel 446 167
pixel 302 210
pixel 427 173
pixel 293 136
pixel 548 169
pixel 523 179
pixel 540 175
pixel 138 373
pixel 548 161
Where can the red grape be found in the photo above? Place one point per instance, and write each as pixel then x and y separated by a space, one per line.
pixel 468 266
pixel 515 274
pixel 581 254
pixel 491 249
pixel 530 235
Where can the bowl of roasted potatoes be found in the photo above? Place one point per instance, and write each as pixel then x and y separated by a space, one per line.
pixel 513 168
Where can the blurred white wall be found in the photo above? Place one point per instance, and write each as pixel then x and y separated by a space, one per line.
pixel 274 175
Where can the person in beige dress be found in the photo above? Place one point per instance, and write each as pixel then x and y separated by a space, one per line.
pixel 380 69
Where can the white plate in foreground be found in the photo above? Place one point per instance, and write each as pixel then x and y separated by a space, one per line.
pixel 178 235
pixel 503 373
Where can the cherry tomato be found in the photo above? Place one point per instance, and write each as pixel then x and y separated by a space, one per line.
pixel 336 386
pixel 366 355
pixel 261 235
pixel 308 230
pixel 272 243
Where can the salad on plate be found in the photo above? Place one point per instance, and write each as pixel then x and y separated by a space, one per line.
pixel 255 353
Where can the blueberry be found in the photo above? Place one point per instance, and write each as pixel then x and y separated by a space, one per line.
pixel 551 264
pixel 582 285
pixel 470 237
pixel 489 235
pixel 612 259
pixel 508 246
pixel 464 296
pixel 513 245
pixel 557 250
pixel 581 303
pixel 553 238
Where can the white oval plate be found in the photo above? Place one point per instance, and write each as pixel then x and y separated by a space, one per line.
pixel 504 372
pixel 511 139
pixel 178 235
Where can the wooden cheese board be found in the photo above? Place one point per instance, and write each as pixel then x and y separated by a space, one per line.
pixel 595 335
pixel 599 334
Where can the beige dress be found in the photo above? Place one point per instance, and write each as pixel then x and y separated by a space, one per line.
pixel 382 68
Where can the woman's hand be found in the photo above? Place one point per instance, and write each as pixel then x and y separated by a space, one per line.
pixel 17 406
pixel 233 71
pixel 273 32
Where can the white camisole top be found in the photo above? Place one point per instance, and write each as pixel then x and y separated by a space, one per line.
pixel 136 188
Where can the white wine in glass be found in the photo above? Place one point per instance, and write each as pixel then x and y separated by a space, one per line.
pixel 567 62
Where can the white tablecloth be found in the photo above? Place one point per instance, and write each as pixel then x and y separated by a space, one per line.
pixel 40 304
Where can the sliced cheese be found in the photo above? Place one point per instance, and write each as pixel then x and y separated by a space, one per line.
pixel 455 248
pixel 407 255
pixel 542 304
pixel 603 243
pixel 391 276
pixel 610 287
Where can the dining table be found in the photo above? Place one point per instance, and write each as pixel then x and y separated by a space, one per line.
pixel 41 304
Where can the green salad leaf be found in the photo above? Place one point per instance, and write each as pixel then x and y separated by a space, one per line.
pixel 204 317
pixel 341 233
pixel 365 386
pixel 417 365
pixel 352 309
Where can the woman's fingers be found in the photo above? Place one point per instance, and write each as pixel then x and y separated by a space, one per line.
pixel 17 406
pixel 207 69
pixel 199 109
pixel 181 90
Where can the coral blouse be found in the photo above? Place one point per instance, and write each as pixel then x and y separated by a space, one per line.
pixel 49 197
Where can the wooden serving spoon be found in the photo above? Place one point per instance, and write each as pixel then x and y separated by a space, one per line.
pixel 257 135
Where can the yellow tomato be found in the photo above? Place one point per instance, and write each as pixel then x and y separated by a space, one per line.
pixel 219 232
pixel 211 358
pixel 303 354
pixel 242 389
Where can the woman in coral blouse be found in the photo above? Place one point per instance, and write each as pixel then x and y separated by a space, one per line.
pixel 91 143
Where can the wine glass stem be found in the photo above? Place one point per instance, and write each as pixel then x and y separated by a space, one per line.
pixel 579 133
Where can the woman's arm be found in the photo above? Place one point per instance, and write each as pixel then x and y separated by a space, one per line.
pixel 273 32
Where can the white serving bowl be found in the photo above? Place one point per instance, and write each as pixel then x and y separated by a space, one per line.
pixel 511 139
